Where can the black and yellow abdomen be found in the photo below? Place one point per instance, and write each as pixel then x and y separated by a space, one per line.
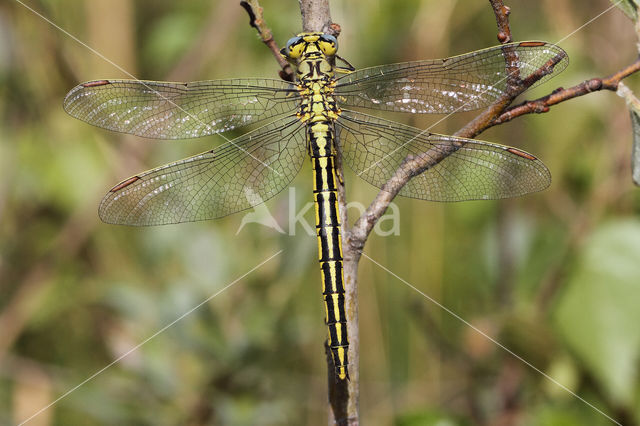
pixel 320 136
pixel 312 53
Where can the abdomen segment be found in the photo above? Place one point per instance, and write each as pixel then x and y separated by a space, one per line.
pixel 325 196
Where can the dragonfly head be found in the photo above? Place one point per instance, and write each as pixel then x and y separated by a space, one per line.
pixel 310 43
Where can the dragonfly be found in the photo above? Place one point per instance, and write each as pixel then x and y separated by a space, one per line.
pixel 318 115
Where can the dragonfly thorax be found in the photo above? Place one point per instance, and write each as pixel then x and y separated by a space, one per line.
pixel 312 54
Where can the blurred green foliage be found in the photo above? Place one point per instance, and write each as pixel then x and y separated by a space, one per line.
pixel 553 276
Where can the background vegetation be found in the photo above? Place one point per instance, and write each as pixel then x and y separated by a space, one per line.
pixel 553 276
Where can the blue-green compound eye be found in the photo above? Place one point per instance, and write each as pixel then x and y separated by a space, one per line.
pixel 292 41
pixel 331 39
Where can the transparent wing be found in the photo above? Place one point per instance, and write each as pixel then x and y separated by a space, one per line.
pixel 162 110
pixel 460 83
pixel 459 169
pixel 242 173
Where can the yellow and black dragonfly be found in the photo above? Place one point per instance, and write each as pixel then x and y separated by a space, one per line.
pixel 312 116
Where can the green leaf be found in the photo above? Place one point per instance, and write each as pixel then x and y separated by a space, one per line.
pixel 598 314
pixel 635 147
pixel 629 7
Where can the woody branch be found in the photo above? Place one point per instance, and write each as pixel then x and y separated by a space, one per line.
pixel 496 114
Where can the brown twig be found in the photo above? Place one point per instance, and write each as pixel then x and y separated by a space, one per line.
pixel 256 20
pixel 416 165
pixel 413 166
pixel 544 103
pixel 316 16
pixel 502 13
pixel 492 116
pixel 514 88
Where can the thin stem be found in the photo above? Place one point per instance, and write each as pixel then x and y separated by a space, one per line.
pixel 544 103
pixel 316 15
pixel 256 20
pixel 497 113
pixel 502 13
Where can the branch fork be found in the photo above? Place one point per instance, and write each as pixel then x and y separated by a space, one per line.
pixel 344 395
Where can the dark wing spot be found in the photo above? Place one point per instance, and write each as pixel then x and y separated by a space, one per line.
pixel 521 154
pixel 96 83
pixel 124 184
pixel 532 43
